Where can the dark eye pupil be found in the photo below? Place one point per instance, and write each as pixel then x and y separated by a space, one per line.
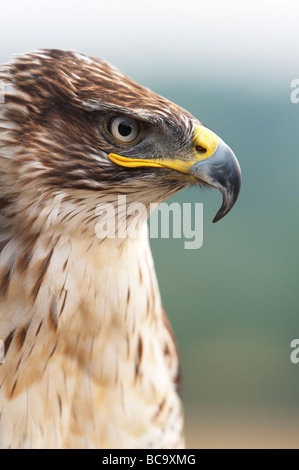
pixel 124 128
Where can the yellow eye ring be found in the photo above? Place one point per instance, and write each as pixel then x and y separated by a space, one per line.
pixel 125 130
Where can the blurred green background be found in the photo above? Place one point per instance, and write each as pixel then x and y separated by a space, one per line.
pixel 233 303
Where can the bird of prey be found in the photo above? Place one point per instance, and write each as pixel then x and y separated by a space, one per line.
pixel 90 359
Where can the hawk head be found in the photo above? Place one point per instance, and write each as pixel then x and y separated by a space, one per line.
pixel 75 131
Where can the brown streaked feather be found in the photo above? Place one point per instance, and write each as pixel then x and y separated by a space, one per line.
pixel 8 340
pixel 92 360
pixel 21 335
pixel 53 315
pixel 171 352
pixel 40 269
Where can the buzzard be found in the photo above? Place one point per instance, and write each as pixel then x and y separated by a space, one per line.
pixel 90 359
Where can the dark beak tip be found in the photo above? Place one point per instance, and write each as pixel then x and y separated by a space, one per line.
pixel 217 218
pixel 229 199
pixel 221 214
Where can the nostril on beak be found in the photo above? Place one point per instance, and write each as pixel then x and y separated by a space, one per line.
pixel 199 149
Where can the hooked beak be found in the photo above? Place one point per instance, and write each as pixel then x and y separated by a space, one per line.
pixel 211 163
pixel 221 171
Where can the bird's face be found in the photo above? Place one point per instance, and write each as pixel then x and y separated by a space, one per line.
pixel 76 130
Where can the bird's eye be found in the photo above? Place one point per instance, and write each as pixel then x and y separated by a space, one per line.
pixel 123 129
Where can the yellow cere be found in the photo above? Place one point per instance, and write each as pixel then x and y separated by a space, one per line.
pixel 207 139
